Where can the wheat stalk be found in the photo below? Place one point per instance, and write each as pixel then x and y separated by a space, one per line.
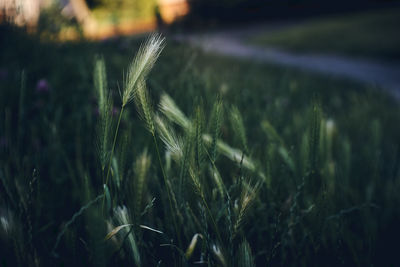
pixel 135 81
pixel 141 65
pixel 104 107
pixel 141 168
pixel 238 126
pixel 122 219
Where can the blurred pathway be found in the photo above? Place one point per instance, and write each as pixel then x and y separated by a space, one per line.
pixel 232 43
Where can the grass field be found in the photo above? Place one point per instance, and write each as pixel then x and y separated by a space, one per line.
pixel 240 164
pixel 372 34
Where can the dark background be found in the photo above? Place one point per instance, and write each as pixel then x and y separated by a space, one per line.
pixel 238 11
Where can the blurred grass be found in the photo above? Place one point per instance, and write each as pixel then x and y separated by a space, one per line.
pixel 372 34
pixel 51 131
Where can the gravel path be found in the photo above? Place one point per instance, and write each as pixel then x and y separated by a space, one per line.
pixel 230 43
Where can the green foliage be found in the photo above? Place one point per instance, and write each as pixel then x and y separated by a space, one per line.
pixel 215 127
pixel 281 179
pixel 238 126
pixel 245 257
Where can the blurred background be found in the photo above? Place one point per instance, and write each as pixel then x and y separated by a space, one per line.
pixel 310 92
pixel 103 18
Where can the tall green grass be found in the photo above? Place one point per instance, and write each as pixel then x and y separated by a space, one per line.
pixel 207 174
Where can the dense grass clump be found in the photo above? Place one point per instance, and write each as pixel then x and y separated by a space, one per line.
pixel 186 163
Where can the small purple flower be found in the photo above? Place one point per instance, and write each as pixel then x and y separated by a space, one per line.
pixel 42 86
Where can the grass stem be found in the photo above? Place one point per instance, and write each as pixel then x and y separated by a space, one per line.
pixel 167 187
pixel 113 148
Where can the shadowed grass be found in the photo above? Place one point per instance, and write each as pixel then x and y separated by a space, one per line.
pixel 372 34
pixel 286 183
